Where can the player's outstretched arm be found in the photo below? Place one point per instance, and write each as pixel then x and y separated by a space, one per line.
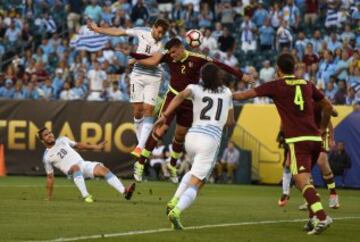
pixel 107 31
pixel 239 75
pixel 244 95
pixel 87 146
pixel 50 186
pixel 172 106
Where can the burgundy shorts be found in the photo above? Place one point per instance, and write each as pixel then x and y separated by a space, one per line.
pixel 303 155
pixel 183 113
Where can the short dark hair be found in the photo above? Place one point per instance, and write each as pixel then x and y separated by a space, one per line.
pixel 162 23
pixel 286 63
pixel 212 77
pixel 174 42
pixel 40 131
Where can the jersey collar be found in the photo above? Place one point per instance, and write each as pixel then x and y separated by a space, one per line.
pixel 289 76
pixel 186 56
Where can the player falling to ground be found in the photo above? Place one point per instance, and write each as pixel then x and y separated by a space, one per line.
pixel 294 99
pixel 60 153
pixel 184 69
pixel 212 109
pixel 144 80
pixel 322 162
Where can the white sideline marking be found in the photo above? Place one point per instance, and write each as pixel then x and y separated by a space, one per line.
pixel 153 231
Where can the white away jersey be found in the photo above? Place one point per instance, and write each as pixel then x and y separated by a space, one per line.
pixel 61 155
pixel 210 110
pixel 147 45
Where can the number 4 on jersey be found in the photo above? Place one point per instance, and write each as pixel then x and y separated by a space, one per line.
pixel 298 99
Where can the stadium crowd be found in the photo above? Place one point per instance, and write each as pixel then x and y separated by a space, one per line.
pixel 37 61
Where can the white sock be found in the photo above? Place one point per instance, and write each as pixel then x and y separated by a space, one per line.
pixel 184 184
pixel 286 180
pixel 138 127
pixel 187 198
pixel 113 181
pixel 147 126
pixel 80 183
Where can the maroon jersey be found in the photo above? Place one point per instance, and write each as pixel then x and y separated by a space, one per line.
pixel 187 71
pixel 294 99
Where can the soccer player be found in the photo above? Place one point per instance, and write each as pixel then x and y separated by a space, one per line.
pixel 144 80
pixel 184 69
pixel 212 109
pixel 60 153
pixel 294 99
pixel 322 162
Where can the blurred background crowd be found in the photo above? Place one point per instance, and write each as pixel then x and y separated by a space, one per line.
pixel 37 61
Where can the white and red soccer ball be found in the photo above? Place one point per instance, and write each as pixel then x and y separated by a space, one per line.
pixel 194 38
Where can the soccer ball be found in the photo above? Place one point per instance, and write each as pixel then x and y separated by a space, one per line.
pixel 193 38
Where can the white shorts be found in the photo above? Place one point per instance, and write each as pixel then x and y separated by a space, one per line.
pixel 202 150
pixel 144 88
pixel 87 168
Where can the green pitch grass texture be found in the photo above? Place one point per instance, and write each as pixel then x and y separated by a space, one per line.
pixel 25 215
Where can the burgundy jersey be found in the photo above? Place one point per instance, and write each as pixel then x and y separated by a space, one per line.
pixel 294 99
pixel 187 71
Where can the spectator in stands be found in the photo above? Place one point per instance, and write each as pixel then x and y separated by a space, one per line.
pixel 209 41
pixel 356 106
pixel 190 16
pixel 58 81
pixel 248 39
pixel 93 11
pixel 275 14
pixel 115 94
pixel 330 91
pixel 12 35
pixel 266 36
pixel 316 41
pixel 311 11
pixel 342 66
pixel 260 15
pixel 348 34
pixel 327 68
pixel 284 38
pixel 339 160
pixel 229 162
pixel 218 31
pixel 291 14
pixel 7 91
pixel 310 57
pixel 96 82
pixel 340 95
pixel 300 44
pixel 67 93
pixel 229 58
pixel 74 9
pixel 158 158
pixel 32 91
pixel 19 93
pixel 226 41
pixel 333 42
pixel 206 17
pixel 227 14
pixel 267 73
pixel 139 11
pixel 48 90
pixel 176 12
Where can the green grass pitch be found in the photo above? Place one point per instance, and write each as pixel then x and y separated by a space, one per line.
pixel 26 216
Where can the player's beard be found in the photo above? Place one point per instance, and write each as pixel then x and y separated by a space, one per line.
pixel 50 143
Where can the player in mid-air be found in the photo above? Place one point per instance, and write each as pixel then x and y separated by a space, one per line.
pixel 322 162
pixel 294 99
pixel 184 69
pixel 212 109
pixel 60 153
pixel 144 80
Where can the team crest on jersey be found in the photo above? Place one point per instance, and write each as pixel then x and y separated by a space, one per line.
pixel 191 64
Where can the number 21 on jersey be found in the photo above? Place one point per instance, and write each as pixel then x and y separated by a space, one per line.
pixel 209 104
pixel 298 98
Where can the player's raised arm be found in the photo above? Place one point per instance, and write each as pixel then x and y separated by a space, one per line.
pixel 244 95
pixel 107 31
pixel 87 146
pixel 239 75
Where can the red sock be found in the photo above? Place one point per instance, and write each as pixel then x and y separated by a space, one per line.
pixel 330 183
pixel 177 148
pixel 313 201
pixel 149 146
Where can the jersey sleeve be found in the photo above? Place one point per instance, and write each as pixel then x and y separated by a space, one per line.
pixel 191 87
pixel 317 95
pixel 231 105
pixel 133 32
pixel 68 141
pixel 47 166
pixel 267 89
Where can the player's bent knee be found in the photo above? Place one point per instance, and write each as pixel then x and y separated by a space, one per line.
pixel 100 170
pixel 73 169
